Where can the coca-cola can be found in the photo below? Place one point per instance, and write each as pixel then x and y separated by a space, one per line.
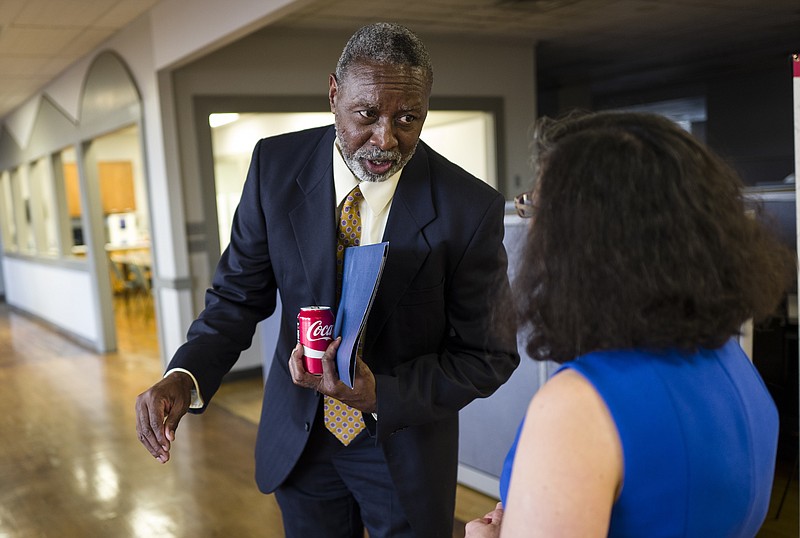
pixel 314 333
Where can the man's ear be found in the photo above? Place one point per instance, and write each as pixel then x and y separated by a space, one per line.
pixel 333 88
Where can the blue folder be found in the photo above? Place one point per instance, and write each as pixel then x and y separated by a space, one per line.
pixel 363 266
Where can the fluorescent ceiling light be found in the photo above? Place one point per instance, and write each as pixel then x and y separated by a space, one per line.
pixel 217 120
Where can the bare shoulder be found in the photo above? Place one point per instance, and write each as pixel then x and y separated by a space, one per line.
pixel 569 413
pixel 568 466
pixel 567 394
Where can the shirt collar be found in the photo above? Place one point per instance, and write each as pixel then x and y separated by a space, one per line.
pixel 377 194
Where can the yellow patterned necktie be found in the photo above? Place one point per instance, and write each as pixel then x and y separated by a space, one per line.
pixel 343 421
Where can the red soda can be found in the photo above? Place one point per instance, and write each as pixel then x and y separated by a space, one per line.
pixel 314 333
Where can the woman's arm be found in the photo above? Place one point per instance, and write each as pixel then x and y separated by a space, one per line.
pixel 568 467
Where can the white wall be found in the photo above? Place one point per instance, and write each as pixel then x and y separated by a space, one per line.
pixel 184 29
pixel 58 295
pixel 475 69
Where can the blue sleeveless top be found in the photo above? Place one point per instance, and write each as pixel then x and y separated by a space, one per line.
pixel 699 435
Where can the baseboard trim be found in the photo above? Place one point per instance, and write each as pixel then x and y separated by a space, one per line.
pixel 478 480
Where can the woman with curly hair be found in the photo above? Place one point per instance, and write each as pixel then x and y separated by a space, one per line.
pixel 640 267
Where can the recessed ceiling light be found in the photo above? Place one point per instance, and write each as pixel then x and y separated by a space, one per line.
pixel 220 119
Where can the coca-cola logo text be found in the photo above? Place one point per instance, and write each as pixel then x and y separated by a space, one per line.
pixel 318 331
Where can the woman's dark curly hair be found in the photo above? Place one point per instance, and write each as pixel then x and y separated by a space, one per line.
pixel 639 239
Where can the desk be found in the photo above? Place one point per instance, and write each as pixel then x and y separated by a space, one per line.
pixel 138 253
pixel 135 264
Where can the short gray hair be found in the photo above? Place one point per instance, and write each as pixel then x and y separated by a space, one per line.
pixel 385 43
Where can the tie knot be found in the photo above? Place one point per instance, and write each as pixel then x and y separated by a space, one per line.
pixel 354 196
pixel 351 204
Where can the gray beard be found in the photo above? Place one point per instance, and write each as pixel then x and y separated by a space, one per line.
pixel 354 162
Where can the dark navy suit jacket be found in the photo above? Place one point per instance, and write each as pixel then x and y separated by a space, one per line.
pixel 430 342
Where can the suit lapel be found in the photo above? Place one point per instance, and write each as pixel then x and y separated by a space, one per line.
pixel 412 209
pixel 313 222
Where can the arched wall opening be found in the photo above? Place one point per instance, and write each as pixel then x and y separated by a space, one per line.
pixel 75 202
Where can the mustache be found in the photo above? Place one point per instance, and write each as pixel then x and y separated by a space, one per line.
pixel 375 154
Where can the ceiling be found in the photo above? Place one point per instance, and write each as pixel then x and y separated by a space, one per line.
pixel 604 42
pixel 41 38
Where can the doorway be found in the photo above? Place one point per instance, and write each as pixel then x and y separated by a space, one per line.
pixel 116 161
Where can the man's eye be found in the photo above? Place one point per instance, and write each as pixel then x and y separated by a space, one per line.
pixel 408 118
pixel 368 114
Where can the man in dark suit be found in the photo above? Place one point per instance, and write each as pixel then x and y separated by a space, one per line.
pixel 430 347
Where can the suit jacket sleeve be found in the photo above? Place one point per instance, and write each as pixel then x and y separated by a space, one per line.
pixel 242 293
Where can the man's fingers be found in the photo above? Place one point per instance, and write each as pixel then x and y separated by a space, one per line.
pixel 330 374
pixel 296 359
pixel 171 422
pixel 296 368
pixel 323 383
pixel 364 377
pixel 158 411
pixel 151 437
pixel 149 441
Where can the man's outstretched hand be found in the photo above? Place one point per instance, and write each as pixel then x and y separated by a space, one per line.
pixel 158 411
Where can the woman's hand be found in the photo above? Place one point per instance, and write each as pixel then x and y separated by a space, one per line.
pixel 487 526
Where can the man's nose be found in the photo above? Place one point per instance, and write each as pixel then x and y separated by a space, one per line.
pixel 383 135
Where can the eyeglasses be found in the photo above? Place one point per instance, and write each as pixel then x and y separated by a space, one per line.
pixel 524 205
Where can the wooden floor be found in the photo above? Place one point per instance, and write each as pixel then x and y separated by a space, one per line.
pixel 71 466
pixel 70 462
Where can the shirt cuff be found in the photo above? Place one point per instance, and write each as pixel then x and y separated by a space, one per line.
pixel 197 399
